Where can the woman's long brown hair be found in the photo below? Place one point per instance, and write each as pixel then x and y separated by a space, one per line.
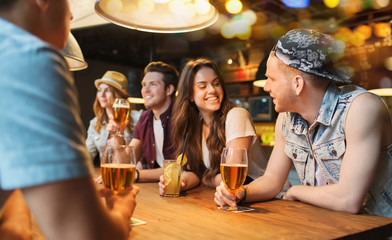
pixel 100 112
pixel 187 118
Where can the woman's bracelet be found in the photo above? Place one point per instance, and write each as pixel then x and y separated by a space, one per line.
pixel 137 177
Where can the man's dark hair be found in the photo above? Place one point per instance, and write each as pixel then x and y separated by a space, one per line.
pixel 6 4
pixel 170 74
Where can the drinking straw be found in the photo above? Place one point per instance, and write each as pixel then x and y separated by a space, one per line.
pixel 183 149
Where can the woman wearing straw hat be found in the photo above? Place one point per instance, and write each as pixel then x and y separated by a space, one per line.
pixel 111 86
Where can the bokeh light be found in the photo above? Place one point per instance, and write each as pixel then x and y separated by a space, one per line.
pixel 357 39
pixel 388 63
pixel 351 7
pixel 377 4
pixel 146 6
pixel 343 34
pixel 202 6
pixel 114 6
pixel 296 3
pixel 233 6
pixel 339 46
pixel 250 16
pixel 227 31
pixel 331 3
pixel 382 29
pixel 365 30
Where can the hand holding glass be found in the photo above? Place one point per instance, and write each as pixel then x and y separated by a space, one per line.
pixel 121 108
pixel 234 168
pixel 118 166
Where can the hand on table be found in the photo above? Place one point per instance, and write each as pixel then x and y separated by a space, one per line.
pixel 224 197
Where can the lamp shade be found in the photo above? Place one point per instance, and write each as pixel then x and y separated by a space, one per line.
pixel 73 54
pixel 84 15
pixel 161 16
pixel 261 79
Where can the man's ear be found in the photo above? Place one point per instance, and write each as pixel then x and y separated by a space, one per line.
pixel 42 4
pixel 299 84
pixel 170 89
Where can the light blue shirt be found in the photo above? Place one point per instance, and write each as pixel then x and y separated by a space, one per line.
pixel 41 135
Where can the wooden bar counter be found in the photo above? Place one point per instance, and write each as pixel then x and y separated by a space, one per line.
pixel 195 215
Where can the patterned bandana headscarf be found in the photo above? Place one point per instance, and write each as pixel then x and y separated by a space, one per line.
pixel 311 52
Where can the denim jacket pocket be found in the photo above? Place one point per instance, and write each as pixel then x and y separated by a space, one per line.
pixel 331 155
pixel 299 156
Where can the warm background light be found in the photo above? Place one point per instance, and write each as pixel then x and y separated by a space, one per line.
pixel 377 4
pixel 382 29
pixel 259 83
pixel 114 6
pixel 384 92
pixel 202 6
pixel 364 30
pixel 161 16
pixel 233 6
pixel 331 3
pixel 388 63
pixel 136 100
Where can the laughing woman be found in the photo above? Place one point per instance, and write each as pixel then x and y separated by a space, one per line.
pixel 203 110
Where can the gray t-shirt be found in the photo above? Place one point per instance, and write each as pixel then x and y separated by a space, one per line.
pixel 41 135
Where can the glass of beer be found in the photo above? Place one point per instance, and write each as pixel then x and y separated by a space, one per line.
pixel 121 108
pixel 118 166
pixel 234 168
pixel 172 176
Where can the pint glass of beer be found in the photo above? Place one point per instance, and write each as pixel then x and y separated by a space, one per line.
pixel 121 108
pixel 118 166
pixel 234 169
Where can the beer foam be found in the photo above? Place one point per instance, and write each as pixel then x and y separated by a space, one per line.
pixel 118 165
pixel 117 105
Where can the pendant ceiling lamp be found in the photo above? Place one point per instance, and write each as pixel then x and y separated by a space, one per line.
pixel 160 16
pixel 73 54
pixel 84 15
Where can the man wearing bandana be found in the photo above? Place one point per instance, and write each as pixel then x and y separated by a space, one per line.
pixel 339 138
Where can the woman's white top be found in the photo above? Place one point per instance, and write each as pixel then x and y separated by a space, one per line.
pixel 239 124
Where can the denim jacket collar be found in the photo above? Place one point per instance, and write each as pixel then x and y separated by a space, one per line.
pixel 330 100
pixel 328 105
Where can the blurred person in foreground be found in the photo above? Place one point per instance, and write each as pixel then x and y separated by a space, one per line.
pixel 339 138
pixel 42 141
pixel 112 85
pixel 203 110
pixel 151 138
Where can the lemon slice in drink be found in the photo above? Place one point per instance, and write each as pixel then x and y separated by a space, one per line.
pixel 167 174
pixel 183 160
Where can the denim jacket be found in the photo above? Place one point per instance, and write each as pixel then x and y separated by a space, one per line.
pixel 323 145
pixel 95 141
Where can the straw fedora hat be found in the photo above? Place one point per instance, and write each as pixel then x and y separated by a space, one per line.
pixel 114 79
